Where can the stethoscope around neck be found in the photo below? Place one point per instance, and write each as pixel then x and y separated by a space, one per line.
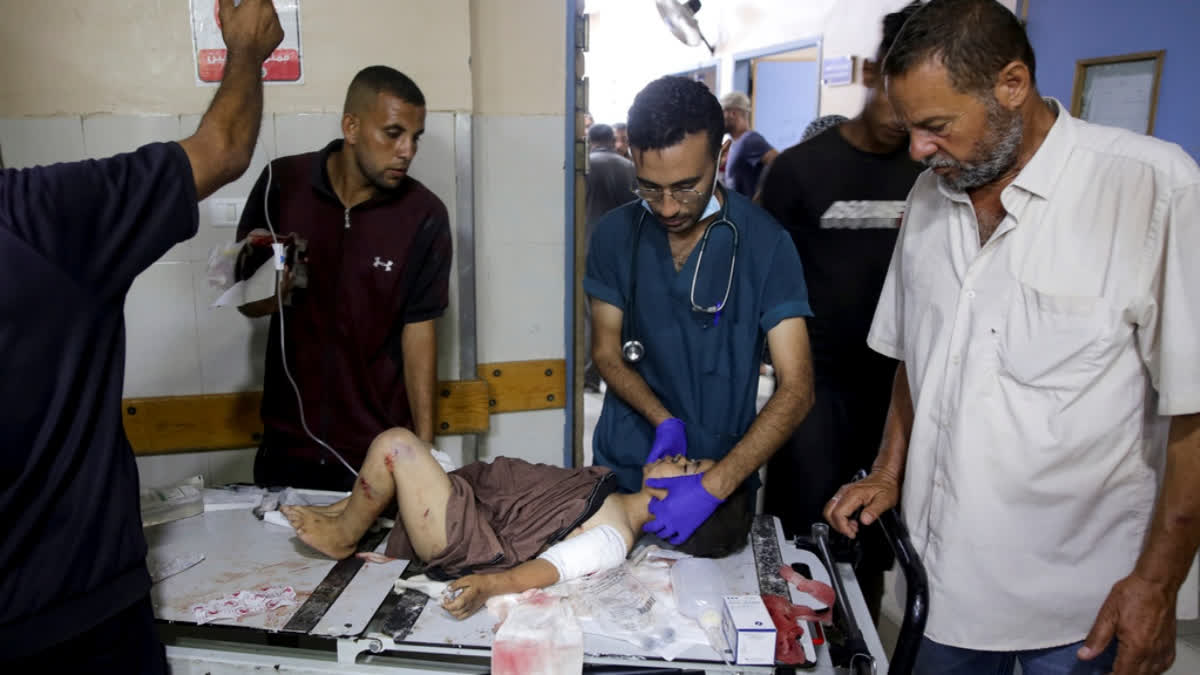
pixel 632 349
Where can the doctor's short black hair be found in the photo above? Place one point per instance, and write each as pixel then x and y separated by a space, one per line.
pixel 372 81
pixel 672 107
pixel 726 531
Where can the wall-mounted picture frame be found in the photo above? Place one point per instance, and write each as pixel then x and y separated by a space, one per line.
pixel 1119 91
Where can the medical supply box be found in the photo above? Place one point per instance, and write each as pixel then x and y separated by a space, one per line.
pixel 749 630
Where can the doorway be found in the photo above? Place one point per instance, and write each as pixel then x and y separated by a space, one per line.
pixel 784 86
pixel 708 74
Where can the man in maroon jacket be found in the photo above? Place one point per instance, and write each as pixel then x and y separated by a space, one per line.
pixel 359 337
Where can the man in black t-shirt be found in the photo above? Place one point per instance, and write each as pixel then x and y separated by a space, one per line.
pixel 73 581
pixel 841 194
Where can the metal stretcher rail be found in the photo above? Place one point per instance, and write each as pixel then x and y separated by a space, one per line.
pixel 916 602
pixel 850 651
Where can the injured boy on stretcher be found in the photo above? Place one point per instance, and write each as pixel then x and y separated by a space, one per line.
pixel 505 526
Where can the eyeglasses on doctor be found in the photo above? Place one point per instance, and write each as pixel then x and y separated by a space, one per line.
pixel 685 196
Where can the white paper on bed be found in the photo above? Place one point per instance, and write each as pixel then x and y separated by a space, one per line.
pixel 233 497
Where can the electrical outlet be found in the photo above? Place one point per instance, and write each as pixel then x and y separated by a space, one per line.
pixel 225 212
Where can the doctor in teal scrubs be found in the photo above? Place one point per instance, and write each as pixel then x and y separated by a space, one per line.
pixel 694 280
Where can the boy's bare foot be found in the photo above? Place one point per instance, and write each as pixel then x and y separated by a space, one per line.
pixel 332 510
pixel 322 532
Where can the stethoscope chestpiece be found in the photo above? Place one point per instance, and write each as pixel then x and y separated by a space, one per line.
pixel 633 351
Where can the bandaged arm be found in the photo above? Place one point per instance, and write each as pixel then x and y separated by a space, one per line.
pixel 594 550
pixel 600 548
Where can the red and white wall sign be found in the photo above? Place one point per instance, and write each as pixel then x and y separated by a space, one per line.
pixel 283 65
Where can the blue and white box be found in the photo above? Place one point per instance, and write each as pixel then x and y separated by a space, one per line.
pixel 749 630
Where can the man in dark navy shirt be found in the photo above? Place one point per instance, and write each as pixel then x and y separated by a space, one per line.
pixel 840 194
pixel 361 343
pixel 73 578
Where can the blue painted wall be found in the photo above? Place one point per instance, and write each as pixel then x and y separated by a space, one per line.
pixel 1063 31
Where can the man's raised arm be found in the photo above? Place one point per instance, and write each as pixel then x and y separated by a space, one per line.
pixel 223 144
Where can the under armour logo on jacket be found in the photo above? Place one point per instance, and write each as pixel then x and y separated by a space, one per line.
pixel 386 265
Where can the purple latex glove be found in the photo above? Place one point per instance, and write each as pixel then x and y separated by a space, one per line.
pixel 687 505
pixel 669 439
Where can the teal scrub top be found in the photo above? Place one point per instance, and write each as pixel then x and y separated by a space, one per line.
pixel 703 368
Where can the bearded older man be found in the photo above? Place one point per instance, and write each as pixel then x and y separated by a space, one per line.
pixel 1043 420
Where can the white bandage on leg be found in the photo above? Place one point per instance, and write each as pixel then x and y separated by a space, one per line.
pixel 595 550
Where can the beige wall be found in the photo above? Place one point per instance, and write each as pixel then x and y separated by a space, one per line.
pixel 135 56
pixel 518 56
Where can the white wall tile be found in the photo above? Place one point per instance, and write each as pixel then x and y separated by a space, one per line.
pixel 265 147
pixel 163 470
pixel 106 135
pixel 434 167
pixel 520 302
pixel 162 354
pixel 519 180
pixel 27 142
pixel 232 348
pixel 1187 659
pixel 208 234
pixel 434 163
pixel 535 436
pixel 300 133
pixel 230 466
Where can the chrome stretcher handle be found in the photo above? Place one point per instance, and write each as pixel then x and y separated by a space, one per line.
pixel 854 647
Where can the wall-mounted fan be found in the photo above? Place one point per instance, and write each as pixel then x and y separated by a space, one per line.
pixel 680 17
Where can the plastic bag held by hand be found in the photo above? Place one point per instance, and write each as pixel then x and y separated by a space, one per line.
pixel 540 636
pixel 670 438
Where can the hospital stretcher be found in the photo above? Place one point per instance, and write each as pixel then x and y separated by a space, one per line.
pixel 348 619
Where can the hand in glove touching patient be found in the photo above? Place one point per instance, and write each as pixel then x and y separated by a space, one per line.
pixel 670 438
pixel 686 506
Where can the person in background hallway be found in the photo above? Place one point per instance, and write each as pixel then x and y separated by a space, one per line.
pixel 610 182
pixel 73 237
pixel 693 392
pixel 621 140
pixel 587 122
pixel 361 337
pixel 820 190
pixel 1043 423
pixel 749 152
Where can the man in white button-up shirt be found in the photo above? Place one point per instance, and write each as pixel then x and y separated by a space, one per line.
pixel 1043 420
